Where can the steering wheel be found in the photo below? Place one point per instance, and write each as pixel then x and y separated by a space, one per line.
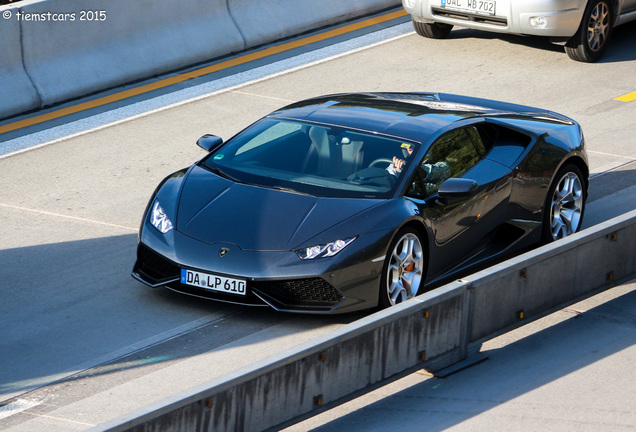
pixel 380 161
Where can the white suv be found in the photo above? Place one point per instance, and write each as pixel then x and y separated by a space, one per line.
pixel 583 26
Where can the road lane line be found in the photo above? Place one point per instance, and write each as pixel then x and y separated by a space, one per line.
pixel 64 420
pixel 267 52
pixel 610 154
pixel 629 97
pixel 68 217
pixel 288 101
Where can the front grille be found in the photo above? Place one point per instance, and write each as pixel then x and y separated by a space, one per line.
pixel 155 266
pixel 304 293
pixel 299 294
pixel 248 299
pixel 484 19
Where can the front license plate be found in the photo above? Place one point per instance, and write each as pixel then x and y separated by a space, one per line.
pixel 482 7
pixel 213 282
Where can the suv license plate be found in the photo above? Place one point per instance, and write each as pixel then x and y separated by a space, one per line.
pixel 482 7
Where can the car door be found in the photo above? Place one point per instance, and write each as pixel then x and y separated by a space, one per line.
pixel 460 222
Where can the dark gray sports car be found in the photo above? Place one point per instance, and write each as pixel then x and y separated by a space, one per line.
pixel 354 201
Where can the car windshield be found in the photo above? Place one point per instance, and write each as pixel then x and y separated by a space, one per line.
pixel 315 159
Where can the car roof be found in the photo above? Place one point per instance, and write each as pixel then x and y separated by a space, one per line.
pixel 413 116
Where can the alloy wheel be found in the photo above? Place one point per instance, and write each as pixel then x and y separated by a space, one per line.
pixel 598 27
pixel 567 206
pixel 405 269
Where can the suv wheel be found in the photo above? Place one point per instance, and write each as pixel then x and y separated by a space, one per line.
pixel 590 40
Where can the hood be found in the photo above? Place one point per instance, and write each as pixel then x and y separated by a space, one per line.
pixel 216 210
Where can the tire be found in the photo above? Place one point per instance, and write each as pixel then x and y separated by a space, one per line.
pixel 433 31
pixel 565 204
pixel 590 41
pixel 403 270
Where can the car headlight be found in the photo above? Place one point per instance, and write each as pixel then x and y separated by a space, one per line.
pixel 324 250
pixel 159 219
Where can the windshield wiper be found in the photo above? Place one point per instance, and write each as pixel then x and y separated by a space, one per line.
pixel 284 189
pixel 223 174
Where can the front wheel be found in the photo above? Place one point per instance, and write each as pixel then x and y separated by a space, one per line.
pixel 590 41
pixel 403 270
pixel 565 204
pixel 433 31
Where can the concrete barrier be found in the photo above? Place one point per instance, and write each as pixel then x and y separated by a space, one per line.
pixel 322 370
pixel 17 93
pixel 552 276
pixel 57 50
pixel 434 331
pixel 97 44
pixel 262 22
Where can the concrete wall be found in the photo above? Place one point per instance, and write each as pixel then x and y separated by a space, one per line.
pixel 264 21
pixel 434 330
pixel 17 93
pixel 132 40
pixel 56 50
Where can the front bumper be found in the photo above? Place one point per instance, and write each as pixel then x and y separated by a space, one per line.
pixel 348 282
pixel 313 294
pixel 560 18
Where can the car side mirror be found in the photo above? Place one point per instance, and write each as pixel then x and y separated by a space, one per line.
pixel 456 188
pixel 209 142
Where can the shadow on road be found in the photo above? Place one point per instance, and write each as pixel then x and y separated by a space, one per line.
pixel 72 311
pixel 620 48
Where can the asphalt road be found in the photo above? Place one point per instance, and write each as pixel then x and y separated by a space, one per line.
pixel 82 342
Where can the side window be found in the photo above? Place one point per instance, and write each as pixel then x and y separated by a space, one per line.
pixel 451 155
pixel 475 137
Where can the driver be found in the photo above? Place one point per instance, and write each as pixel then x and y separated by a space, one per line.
pixel 396 166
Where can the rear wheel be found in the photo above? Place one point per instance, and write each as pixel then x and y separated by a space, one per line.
pixel 565 204
pixel 403 268
pixel 433 31
pixel 590 41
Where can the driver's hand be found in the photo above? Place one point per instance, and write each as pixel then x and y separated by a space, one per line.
pixel 398 163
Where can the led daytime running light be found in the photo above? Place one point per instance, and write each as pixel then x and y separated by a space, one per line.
pixel 324 250
pixel 159 219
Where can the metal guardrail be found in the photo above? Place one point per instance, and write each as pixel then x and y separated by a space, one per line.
pixel 435 330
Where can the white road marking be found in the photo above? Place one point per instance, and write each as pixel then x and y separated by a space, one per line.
pixel 264 96
pixel 90 221
pixel 16 407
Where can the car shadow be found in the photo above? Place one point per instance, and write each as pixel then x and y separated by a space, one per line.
pixel 609 196
pixel 535 42
pixel 621 45
pixel 610 182
pixel 71 310
pixel 620 49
